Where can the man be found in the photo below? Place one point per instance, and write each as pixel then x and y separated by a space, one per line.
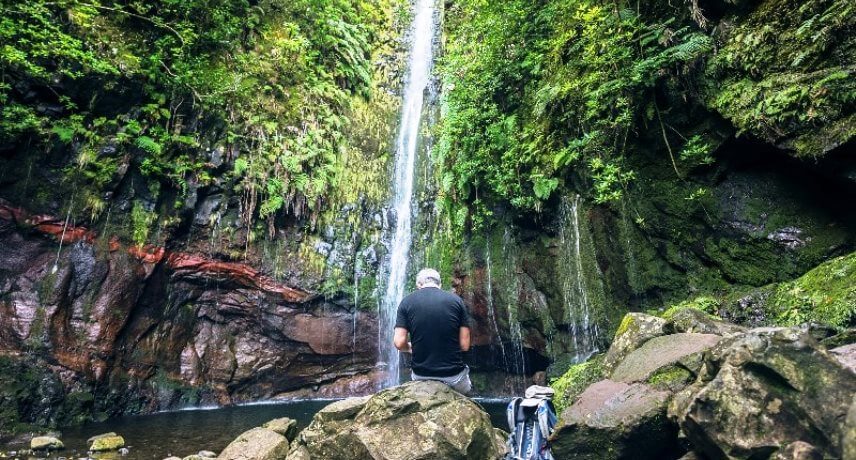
pixel 439 327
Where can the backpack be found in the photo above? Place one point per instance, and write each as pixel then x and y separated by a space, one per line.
pixel 531 421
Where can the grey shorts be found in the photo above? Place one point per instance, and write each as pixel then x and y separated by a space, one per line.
pixel 459 382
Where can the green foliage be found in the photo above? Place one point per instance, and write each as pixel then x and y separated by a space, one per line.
pixel 786 74
pixel 540 91
pixel 280 76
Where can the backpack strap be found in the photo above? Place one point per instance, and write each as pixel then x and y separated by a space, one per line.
pixel 511 413
pixel 546 418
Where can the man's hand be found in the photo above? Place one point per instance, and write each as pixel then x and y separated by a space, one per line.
pixel 400 340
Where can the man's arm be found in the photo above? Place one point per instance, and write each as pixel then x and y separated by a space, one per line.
pixel 400 340
pixel 464 338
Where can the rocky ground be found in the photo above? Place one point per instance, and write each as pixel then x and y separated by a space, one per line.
pixel 688 386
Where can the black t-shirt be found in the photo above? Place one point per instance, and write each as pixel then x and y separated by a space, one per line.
pixel 434 318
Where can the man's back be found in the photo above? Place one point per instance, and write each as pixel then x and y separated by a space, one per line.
pixel 434 318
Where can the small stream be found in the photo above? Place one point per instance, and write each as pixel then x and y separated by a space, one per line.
pixel 186 432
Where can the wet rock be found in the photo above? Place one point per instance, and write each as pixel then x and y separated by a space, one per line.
pixel 635 330
pixel 799 451
pixel 256 444
pixel 762 390
pixel 105 442
pixel 416 420
pixel 661 352
pixel 846 355
pixel 848 436
pixel 691 320
pixel 284 426
pixel 46 443
pixel 615 420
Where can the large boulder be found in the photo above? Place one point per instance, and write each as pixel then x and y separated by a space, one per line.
pixel 616 420
pixel 762 391
pixel 256 444
pixel 635 329
pixel 416 420
pixel 663 351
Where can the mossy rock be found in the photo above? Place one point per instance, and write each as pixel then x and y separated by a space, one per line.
pixel 44 443
pixel 635 329
pixel 575 381
pixel 106 442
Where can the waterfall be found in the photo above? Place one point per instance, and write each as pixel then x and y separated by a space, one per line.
pixel 422 34
pixel 575 287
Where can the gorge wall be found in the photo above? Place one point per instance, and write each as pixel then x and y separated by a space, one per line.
pixel 170 240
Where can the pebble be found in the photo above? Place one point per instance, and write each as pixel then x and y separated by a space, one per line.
pixel 207 454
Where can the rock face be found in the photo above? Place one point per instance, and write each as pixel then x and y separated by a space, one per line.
pixel 169 328
pixel 416 420
pixel 257 444
pixel 763 390
pixel 613 420
pixel 764 393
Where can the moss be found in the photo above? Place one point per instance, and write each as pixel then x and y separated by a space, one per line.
pixel 575 381
pixel 670 377
pixel 826 294
pixel 706 304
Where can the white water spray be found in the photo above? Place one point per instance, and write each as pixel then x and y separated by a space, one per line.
pixel 421 57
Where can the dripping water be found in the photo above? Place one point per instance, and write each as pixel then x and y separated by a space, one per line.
pixel 575 291
pixel 490 306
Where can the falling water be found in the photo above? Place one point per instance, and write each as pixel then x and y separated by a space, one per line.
pixel 512 296
pixel 421 56
pixel 490 306
pixel 574 286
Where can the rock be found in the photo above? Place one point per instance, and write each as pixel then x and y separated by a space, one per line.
pixel 660 352
pixel 207 454
pixel 614 420
pixel 845 337
pixel 767 388
pixel 691 320
pixel 342 410
pixel 193 457
pixel 635 329
pixel 124 451
pixel 172 458
pixel 105 442
pixel 46 443
pixel 846 355
pixel 799 451
pixel 256 444
pixel 284 426
pixel 416 420
pixel 848 436
pixel 691 456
